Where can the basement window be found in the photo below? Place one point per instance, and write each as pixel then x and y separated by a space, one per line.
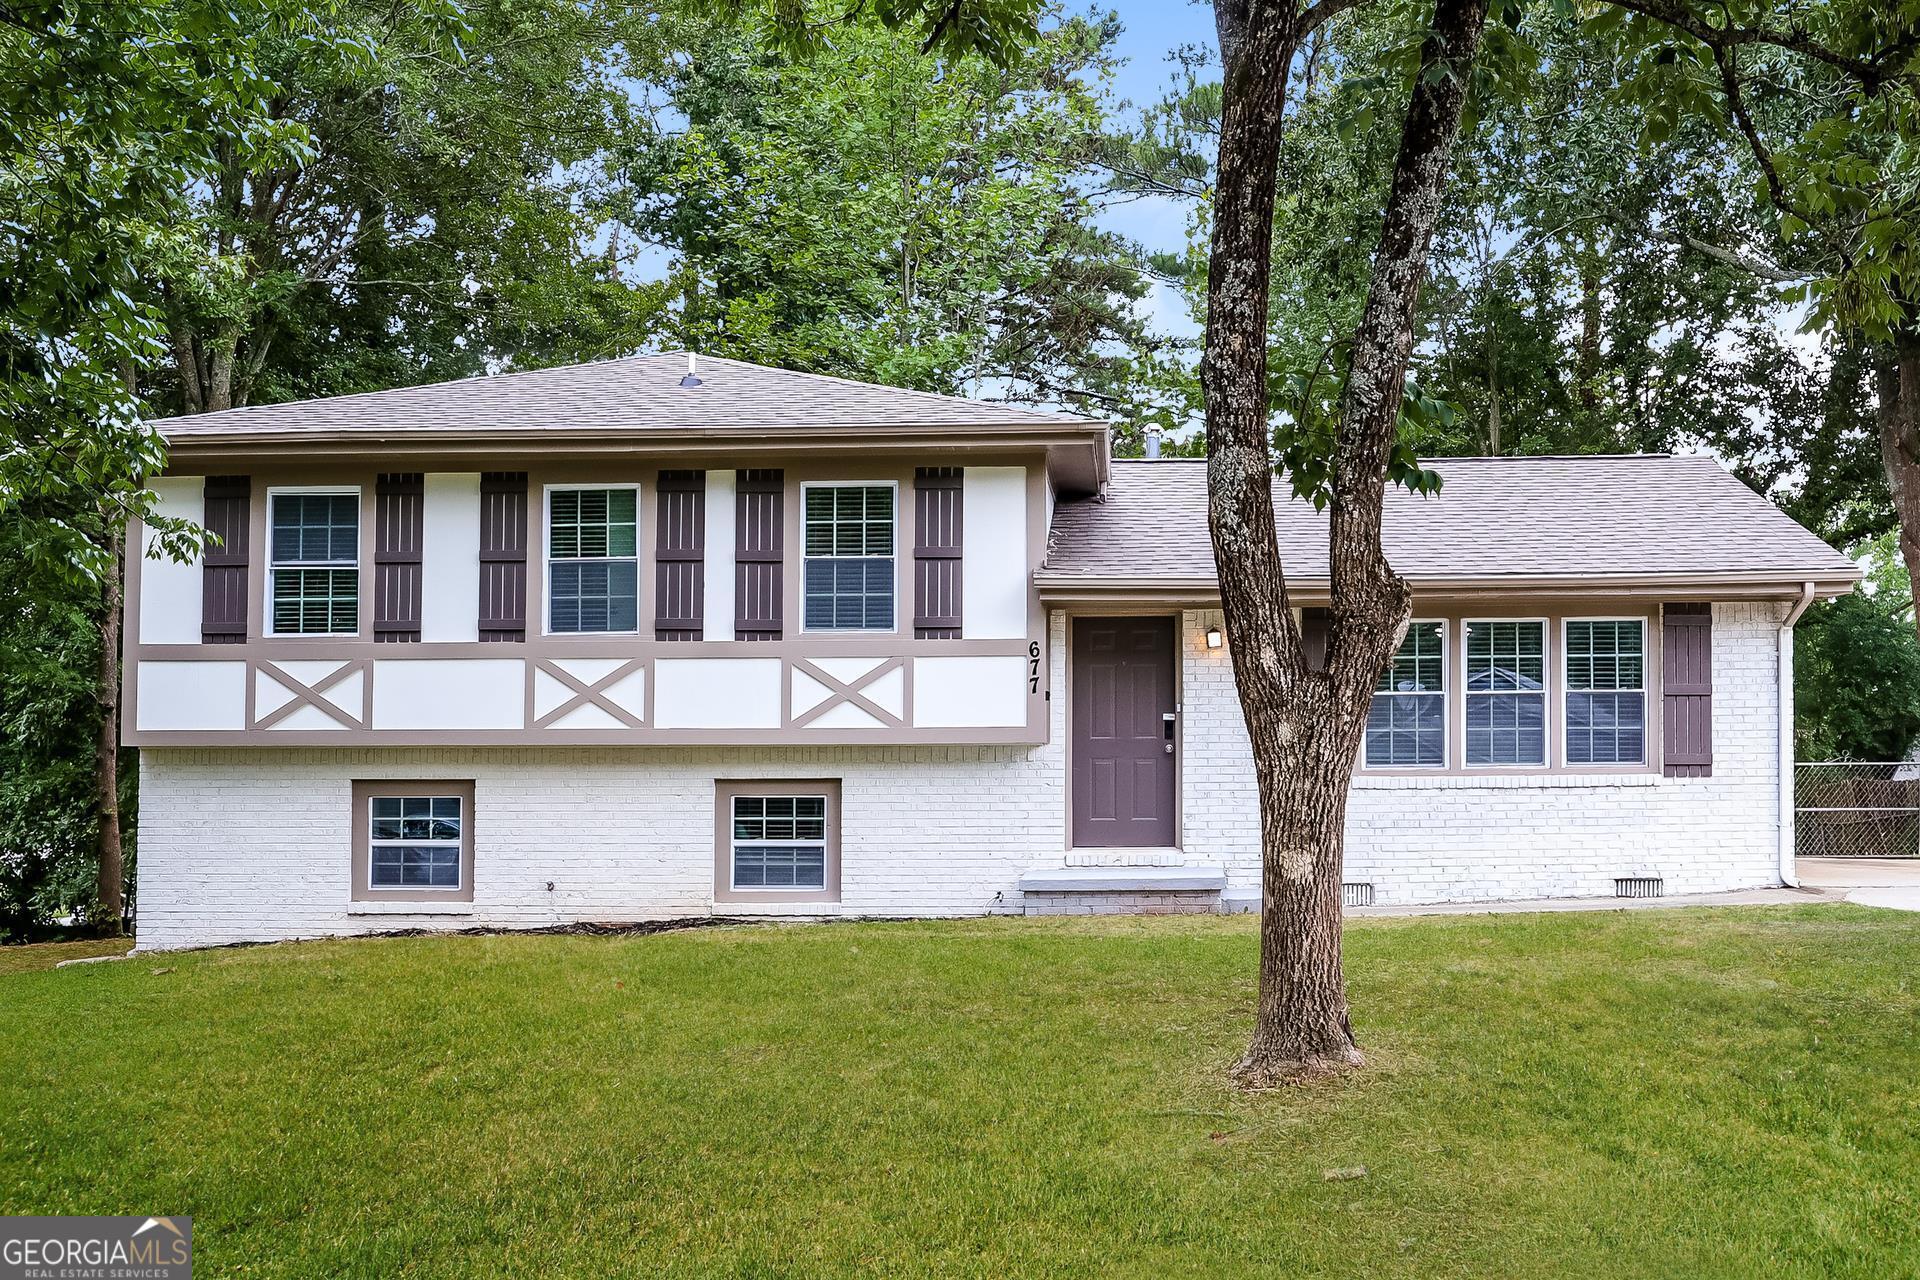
pixel 412 841
pixel 777 841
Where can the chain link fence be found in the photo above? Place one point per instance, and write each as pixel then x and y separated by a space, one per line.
pixel 1856 809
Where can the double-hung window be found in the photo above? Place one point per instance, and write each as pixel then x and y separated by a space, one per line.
pixel 849 557
pixel 779 842
pixel 593 559
pixel 1407 724
pixel 1606 695
pixel 1506 693
pixel 313 580
pixel 413 842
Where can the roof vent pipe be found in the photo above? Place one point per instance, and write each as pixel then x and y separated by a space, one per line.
pixel 693 376
pixel 1153 440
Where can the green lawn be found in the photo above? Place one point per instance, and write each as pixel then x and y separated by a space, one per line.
pixel 1709 1093
pixel 45 955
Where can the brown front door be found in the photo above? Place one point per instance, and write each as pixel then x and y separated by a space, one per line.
pixel 1123 734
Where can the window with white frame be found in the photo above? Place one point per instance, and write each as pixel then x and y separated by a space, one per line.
pixel 593 559
pixel 1407 724
pixel 1506 698
pixel 1606 684
pixel 848 571
pixel 414 842
pixel 313 578
pixel 779 842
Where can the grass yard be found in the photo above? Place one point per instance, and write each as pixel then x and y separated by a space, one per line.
pixel 45 955
pixel 1732 1092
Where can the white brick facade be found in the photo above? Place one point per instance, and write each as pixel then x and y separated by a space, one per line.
pixel 1463 838
pixel 248 844
pixel 252 844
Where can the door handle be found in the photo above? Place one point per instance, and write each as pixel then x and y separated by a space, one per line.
pixel 1166 729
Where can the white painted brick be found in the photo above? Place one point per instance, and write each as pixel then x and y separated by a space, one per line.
pixel 1455 839
pixel 252 844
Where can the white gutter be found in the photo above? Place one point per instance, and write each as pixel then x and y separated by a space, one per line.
pixel 1799 606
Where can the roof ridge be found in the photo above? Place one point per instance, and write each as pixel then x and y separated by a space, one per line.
pixel 1508 457
pixel 939 396
pixel 947 402
pixel 409 386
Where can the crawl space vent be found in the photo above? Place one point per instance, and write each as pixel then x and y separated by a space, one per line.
pixel 1639 887
pixel 1356 895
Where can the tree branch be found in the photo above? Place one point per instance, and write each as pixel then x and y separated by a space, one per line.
pixel 1746 262
pixel 1872 73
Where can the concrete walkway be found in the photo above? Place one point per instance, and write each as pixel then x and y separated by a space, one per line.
pixel 1872 882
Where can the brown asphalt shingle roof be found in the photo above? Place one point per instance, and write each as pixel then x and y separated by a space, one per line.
pixel 1570 517
pixel 634 392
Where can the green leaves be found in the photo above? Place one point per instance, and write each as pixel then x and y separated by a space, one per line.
pixel 1305 438
pixel 998 31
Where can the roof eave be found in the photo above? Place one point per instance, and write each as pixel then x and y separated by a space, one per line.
pixel 1782 584
pixel 1077 455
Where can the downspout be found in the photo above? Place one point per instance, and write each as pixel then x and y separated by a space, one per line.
pixel 1799 606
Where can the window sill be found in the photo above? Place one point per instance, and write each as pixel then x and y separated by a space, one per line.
pixel 425 907
pixel 722 907
pixel 1513 780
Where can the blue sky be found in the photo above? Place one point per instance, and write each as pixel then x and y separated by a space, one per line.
pixel 1153 30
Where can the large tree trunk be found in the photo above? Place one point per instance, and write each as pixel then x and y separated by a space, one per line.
pixel 1898 385
pixel 112 868
pixel 1305 725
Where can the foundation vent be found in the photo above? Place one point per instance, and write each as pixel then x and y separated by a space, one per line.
pixel 1356 894
pixel 1639 887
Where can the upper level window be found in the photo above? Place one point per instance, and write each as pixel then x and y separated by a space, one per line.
pixel 593 566
pixel 313 580
pixel 849 557
pixel 1606 692
pixel 1506 693
pixel 1407 724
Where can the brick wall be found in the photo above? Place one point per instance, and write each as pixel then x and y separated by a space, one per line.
pixel 1452 839
pixel 239 844
pixel 249 844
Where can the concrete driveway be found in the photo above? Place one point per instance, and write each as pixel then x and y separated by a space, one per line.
pixel 1872 882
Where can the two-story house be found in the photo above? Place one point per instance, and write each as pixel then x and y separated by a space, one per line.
pixel 636 640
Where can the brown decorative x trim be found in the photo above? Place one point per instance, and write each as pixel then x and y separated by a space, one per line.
pixel 840 691
pixel 594 694
pixel 309 695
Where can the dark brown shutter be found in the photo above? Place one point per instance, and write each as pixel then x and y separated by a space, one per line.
pixel 503 555
pixel 1686 690
pixel 939 506
pixel 1313 636
pixel 223 591
pixel 679 590
pixel 399 520
pixel 758 546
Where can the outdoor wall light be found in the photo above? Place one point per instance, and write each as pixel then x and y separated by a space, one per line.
pixel 1214 638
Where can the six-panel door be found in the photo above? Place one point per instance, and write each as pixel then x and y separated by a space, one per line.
pixel 1123 732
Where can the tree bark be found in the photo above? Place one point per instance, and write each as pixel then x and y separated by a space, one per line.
pixel 1589 366
pixel 112 866
pixel 1493 390
pixel 1898 385
pixel 1305 725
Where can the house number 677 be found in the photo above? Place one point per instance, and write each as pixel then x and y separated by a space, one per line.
pixel 1033 666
